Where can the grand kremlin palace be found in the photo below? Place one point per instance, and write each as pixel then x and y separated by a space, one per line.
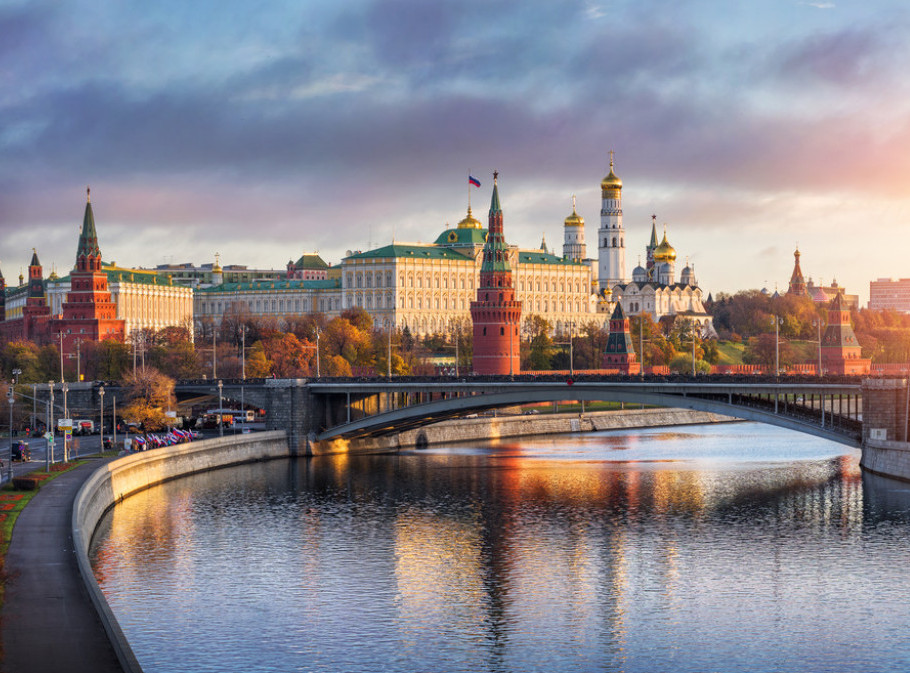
pixel 426 287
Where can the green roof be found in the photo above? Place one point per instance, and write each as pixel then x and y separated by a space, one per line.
pixel 259 285
pixel 456 237
pixel 412 252
pixel 311 261
pixel 526 257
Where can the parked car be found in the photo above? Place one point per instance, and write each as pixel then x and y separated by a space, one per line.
pixel 21 451
pixel 83 426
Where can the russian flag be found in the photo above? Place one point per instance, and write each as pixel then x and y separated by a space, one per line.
pixel 473 181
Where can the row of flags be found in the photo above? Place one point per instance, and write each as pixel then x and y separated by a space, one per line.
pixel 175 436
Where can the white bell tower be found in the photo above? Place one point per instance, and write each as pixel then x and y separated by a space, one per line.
pixel 611 243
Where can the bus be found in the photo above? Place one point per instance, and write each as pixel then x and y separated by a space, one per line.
pixel 228 416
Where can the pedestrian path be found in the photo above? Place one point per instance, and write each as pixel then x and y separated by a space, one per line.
pixel 48 620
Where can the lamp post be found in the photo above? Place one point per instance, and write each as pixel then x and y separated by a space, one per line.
pixel 61 356
pixel 318 371
pixel 571 348
pixel 818 333
pixel 65 416
pixel 214 351
pixel 777 322
pixel 49 454
pixel 101 422
pixel 11 398
pixel 78 360
pixel 641 344
pixel 34 424
pixel 220 411
pixel 388 358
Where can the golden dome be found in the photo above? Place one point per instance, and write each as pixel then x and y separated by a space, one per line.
pixel 470 222
pixel 574 220
pixel 665 252
pixel 612 182
pixel 216 268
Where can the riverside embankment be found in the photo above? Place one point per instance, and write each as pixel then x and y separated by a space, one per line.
pixel 887 458
pixel 113 482
pixel 500 427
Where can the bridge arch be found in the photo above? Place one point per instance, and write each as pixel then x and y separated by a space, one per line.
pixel 799 418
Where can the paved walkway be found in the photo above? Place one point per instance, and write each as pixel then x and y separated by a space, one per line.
pixel 48 620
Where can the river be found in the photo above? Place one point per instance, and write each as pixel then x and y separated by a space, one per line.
pixel 735 547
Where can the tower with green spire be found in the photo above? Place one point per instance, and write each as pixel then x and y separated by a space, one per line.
pixel 496 314
pixel 89 312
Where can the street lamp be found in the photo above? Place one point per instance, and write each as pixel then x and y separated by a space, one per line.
pixel 571 348
pixel 49 454
pixel 16 373
pixel 101 422
pixel 817 324
pixel 777 323
pixel 11 398
pixel 220 411
pixel 318 373
pixel 66 389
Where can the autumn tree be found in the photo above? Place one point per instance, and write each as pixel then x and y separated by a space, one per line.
pixel 150 394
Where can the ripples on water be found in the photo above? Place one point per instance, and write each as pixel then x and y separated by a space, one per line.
pixel 722 548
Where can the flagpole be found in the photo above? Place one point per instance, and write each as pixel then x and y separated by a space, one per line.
pixel 469 191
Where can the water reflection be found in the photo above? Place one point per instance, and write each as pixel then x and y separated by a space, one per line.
pixel 726 548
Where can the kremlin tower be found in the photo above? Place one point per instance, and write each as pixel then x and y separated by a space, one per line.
pixel 611 236
pixel 797 284
pixel 841 352
pixel 89 314
pixel 36 307
pixel 619 353
pixel 496 314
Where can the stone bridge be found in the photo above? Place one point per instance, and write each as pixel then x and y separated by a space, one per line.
pixel 846 410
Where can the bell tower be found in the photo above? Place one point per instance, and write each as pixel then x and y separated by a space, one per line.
pixel 611 235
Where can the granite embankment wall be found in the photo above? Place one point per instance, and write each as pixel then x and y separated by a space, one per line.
pixel 886 457
pixel 499 427
pixel 128 475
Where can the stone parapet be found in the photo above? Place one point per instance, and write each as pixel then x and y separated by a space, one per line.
pixel 121 478
pixel 888 458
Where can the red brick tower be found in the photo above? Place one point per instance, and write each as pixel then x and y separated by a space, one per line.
pixel 36 309
pixel 88 312
pixel 496 314
pixel 619 353
pixel 841 352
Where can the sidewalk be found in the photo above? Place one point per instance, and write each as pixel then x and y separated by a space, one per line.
pixel 48 620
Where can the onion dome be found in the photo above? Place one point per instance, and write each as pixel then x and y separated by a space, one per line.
pixel 665 252
pixel 611 186
pixel 575 220
pixel 470 222
pixel 640 274
pixel 216 268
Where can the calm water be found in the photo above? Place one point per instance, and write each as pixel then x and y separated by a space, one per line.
pixel 723 548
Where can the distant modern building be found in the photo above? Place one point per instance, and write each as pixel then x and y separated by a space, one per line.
pixel 890 294
pixel 207 275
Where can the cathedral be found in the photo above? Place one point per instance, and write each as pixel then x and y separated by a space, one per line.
pixel 653 288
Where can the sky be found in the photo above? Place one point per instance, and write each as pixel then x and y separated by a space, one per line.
pixel 262 130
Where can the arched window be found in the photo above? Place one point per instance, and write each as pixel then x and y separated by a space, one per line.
pixel 614 241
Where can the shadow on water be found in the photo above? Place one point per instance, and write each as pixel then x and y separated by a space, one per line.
pixel 885 499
